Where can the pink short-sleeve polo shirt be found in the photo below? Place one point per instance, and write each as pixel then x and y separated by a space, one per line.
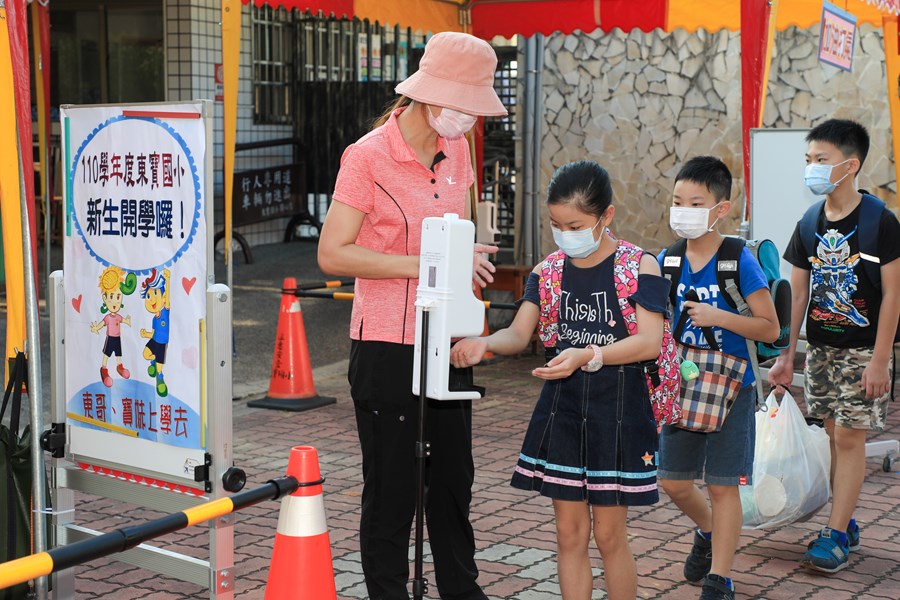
pixel 381 177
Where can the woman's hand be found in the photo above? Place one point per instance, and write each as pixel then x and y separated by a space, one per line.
pixel 703 315
pixel 468 352
pixel 564 364
pixel 483 268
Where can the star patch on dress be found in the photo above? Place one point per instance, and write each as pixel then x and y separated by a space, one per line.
pixel 648 459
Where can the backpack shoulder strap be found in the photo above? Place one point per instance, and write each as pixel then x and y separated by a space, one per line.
pixel 728 272
pixel 673 262
pixel 808 224
pixel 627 264
pixel 870 211
pixel 549 289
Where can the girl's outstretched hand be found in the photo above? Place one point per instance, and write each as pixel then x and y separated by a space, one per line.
pixel 468 352
pixel 564 364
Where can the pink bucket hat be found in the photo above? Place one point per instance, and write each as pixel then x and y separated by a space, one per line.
pixel 456 71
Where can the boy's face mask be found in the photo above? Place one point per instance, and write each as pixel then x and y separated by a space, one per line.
pixel 691 223
pixel 818 178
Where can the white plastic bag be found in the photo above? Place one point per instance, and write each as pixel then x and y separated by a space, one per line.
pixel 790 470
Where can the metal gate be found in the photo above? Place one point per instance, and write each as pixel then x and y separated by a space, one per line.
pixel 344 79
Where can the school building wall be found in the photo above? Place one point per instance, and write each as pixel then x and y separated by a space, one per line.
pixel 193 48
pixel 641 104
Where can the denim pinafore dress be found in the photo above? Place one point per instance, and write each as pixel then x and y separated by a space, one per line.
pixel 592 436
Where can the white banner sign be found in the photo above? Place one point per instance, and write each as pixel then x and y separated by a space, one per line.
pixel 135 270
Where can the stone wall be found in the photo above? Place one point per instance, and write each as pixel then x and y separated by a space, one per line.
pixel 641 104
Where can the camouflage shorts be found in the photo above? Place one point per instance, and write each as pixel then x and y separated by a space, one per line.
pixel 834 388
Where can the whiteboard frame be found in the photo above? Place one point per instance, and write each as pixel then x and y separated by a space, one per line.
pixel 778 195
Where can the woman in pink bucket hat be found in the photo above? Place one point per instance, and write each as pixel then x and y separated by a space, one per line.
pixel 414 164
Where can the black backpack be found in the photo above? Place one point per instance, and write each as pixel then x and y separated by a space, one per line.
pixel 870 209
pixel 728 276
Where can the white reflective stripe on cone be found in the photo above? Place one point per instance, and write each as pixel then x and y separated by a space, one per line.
pixel 302 516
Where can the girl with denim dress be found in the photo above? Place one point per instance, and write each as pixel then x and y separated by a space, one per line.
pixel 591 445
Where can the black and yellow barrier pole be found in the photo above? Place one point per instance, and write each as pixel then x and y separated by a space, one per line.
pixel 302 293
pixel 31 567
pixel 332 283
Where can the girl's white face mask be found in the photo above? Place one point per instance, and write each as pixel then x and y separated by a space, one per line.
pixel 691 223
pixel 451 124
pixel 577 244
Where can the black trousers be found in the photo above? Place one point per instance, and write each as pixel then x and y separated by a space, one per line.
pixel 387 422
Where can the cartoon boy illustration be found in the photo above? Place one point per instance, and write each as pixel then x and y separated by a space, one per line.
pixel 155 292
pixel 114 285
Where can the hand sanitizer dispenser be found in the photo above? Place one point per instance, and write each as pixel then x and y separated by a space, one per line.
pixel 445 291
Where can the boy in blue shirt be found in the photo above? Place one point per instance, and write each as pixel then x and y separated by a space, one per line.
pixel 701 198
pixel 851 321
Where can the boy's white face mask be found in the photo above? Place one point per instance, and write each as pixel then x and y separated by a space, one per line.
pixel 691 223
pixel 817 178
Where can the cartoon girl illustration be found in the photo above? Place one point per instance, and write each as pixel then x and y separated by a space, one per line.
pixel 115 284
pixel 155 292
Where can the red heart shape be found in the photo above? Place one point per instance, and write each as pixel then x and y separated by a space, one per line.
pixel 187 284
pixel 76 303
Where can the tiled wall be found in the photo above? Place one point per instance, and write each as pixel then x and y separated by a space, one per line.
pixel 194 47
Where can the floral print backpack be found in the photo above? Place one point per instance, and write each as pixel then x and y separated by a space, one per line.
pixel 664 381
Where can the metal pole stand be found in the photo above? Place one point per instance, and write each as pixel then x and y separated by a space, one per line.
pixel 423 451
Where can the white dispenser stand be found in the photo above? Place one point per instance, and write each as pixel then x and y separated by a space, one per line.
pixel 445 291
pixel 446 308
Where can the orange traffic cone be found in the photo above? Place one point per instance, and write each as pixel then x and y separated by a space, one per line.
pixel 291 383
pixel 301 566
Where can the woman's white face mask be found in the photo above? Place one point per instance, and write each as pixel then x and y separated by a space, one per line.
pixel 691 223
pixel 451 124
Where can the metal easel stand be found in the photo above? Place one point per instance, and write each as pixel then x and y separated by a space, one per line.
pixel 423 451
pixel 222 476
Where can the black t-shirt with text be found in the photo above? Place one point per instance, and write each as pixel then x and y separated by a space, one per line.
pixel 843 303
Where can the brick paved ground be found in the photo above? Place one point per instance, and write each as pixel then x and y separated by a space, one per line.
pixel 514 529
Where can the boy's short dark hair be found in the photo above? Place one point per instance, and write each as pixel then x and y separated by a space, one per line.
pixel 850 137
pixel 708 171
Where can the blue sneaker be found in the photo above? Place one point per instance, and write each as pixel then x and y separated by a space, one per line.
pixel 853 535
pixel 829 553
pixel 716 587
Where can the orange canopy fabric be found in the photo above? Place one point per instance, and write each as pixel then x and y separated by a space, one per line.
pixel 338 8
pixel 713 15
pixel 527 17
pixel 489 18
pixel 418 15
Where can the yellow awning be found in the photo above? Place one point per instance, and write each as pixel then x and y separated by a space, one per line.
pixel 713 15
pixel 418 15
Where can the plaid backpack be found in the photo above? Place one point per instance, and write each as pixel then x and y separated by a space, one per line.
pixel 663 377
